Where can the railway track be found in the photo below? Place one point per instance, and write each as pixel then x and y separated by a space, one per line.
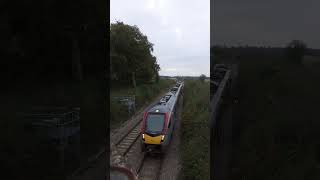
pixel 147 166
pixel 125 143
pixel 150 168
pixel 117 135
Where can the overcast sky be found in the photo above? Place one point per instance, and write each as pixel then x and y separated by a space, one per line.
pixel 265 22
pixel 179 30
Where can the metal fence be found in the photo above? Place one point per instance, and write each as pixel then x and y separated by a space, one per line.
pixel 129 101
pixel 60 129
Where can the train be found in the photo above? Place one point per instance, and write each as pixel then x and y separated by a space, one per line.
pixel 159 121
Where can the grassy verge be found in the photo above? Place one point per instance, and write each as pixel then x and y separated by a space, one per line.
pixel 279 129
pixel 195 136
pixel 144 93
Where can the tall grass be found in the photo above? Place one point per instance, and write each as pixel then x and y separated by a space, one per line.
pixel 195 136
pixel 144 94
pixel 279 104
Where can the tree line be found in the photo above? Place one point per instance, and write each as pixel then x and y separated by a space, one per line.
pixel 50 39
pixel 46 47
pixel 293 51
pixel 131 58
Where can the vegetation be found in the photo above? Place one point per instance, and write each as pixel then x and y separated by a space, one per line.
pixel 144 94
pixel 276 124
pixel 131 59
pixel 202 77
pixel 195 139
pixel 53 55
pixel 295 51
pixel 133 70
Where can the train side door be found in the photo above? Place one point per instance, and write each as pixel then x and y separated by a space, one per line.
pixel 170 125
pixel 174 117
pixel 175 113
pixel 170 122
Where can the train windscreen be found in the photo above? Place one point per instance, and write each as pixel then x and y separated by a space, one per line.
pixel 155 123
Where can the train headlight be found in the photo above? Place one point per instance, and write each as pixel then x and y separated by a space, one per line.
pixel 143 136
pixel 162 137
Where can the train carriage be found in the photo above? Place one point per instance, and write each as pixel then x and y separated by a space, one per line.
pixel 158 122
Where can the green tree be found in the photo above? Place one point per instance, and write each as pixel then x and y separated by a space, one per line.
pixel 157 69
pixel 202 77
pixel 131 55
pixel 295 51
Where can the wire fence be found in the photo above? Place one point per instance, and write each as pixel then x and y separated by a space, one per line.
pixel 129 101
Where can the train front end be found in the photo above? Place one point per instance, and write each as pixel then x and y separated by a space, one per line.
pixel 154 131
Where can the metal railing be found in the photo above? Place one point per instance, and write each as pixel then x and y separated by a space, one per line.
pixel 56 125
pixel 217 98
pixel 220 122
pixel 215 107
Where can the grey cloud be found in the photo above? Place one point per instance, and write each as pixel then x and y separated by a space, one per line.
pixel 272 22
pixel 191 17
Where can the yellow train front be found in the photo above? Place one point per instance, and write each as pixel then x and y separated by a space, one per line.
pixel 158 126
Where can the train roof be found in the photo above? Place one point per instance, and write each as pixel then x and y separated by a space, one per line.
pixel 169 94
pixel 166 103
pixel 166 97
pixel 161 108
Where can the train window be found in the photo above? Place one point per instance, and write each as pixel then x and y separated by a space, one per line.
pixel 155 123
pixel 174 89
pixel 163 100
pixel 167 97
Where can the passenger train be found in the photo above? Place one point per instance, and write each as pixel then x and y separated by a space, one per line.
pixel 159 121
